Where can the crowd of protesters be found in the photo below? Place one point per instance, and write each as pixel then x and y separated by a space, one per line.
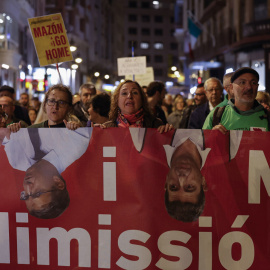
pixel 130 105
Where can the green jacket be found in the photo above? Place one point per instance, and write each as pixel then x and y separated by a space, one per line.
pixel 234 119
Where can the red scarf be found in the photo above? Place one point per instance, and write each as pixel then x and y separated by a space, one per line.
pixel 130 120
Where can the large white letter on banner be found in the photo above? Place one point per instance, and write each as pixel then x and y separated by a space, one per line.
pixel 258 168
pixel 183 253
pixel 126 247
pixel 63 237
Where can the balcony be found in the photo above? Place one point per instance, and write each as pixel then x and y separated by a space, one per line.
pixel 257 28
pixel 222 42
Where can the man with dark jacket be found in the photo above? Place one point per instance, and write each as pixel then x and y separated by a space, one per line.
pixel 213 90
pixel 86 91
pixel 155 94
pixel 200 98
pixel 20 113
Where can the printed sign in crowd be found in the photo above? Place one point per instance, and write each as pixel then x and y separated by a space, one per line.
pixel 131 65
pixel 134 199
pixel 50 39
pixel 143 79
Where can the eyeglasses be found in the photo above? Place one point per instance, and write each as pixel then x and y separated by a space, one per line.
pixel 245 83
pixel 24 196
pixel 60 103
pixel 213 89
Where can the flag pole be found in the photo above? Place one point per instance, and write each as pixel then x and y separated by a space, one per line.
pixel 57 67
pixel 192 17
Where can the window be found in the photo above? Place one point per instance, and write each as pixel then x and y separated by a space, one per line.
pixel 158 72
pixel 158 19
pixel 158 58
pixel 158 32
pixel 260 9
pixel 144 45
pixel 145 31
pixel 158 46
pixel 132 31
pixel 134 44
pixel 82 25
pixel 132 18
pixel 156 4
pixel 145 18
pixel 82 3
pixel 207 3
pixel 145 4
pixel 132 4
pixel 148 59
pixel 174 46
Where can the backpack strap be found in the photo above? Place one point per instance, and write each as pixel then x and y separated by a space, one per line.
pixel 217 115
pixel 268 117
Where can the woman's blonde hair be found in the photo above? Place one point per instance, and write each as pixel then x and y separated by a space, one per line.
pixel 263 96
pixel 177 99
pixel 113 114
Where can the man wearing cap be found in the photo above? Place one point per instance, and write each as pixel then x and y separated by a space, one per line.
pixel 243 112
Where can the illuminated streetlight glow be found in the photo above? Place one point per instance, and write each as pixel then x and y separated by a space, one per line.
pixel 96 74
pixel 74 66
pixel 106 76
pixel 176 73
pixel 78 60
pixel 173 68
pixel 5 66
pixel 73 48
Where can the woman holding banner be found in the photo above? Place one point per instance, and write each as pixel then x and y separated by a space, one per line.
pixel 58 105
pixel 129 108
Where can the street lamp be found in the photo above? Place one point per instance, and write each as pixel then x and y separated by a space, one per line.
pixel 96 74
pixel 78 59
pixel 72 47
pixel 74 66
pixel 106 76
pixel 5 66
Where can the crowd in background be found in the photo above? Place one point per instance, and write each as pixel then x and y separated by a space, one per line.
pixel 129 105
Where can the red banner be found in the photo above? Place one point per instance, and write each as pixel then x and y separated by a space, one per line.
pixel 112 212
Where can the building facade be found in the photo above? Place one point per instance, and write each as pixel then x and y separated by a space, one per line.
pixel 17 53
pixel 149 28
pixel 234 33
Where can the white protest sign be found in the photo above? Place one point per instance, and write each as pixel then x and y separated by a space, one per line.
pixel 143 79
pixel 131 65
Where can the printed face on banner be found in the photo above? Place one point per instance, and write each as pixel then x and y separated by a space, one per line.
pixel 184 180
pixel 130 100
pixel 89 235
pixel 36 183
pixel 43 190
